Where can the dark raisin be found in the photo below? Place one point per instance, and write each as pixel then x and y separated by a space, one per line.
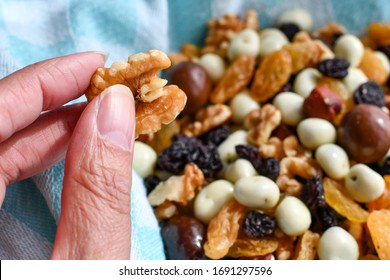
pixel 369 93
pixel 189 149
pixel 385 169
pixel 217 135
pixel 385 49
pixel 250 153
pixel 174 158
pixel 151 182
pixel 290 29
pixel 270 168
pixel 258 225
pixel 206 157
pixel 327 217
pixel 335 67
pixel 312 193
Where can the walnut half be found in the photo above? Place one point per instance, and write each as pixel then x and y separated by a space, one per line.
pixel 155 103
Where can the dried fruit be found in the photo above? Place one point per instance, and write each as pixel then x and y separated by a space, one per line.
pixel 385 49
pixel 274 71
pixel 223 230
pixel 373 67
pixel 326 217
pixel 306 248
pixel 235 79
pixel 379 226
pixel 216 135
pixel 258 225
pixel 369 93
pixel 270 168
pixel 313 193
pixel 379 33
pixel 304 52
pixel 151 182
pixel 383 202
pixel 335 68
pixel 184 150
pixel 245 247
pixel 250 153
pixel 337 198
pixel 289 29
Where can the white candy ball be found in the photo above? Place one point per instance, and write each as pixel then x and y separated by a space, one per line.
pixel 333 160
pixel 290 106
pixel 214 65
pixel 239 169
pixel 385 61
pixel 257 192
pixel 144 159
pixel 271 39
pixel 211 198
pixel 300 17
pixel 292 216
pixel 337 244
pixel 314 132
pixel 354 79
pixel 227 149
pixel 305 81
pixel 242 104
pixel 364 184
pixel 247 42
pixel 350 48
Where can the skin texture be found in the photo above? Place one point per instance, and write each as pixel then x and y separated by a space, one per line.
pixel 96 140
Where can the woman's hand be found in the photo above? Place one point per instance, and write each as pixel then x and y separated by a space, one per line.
pixel 97 139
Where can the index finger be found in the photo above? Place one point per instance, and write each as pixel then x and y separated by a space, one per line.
pixel 43 86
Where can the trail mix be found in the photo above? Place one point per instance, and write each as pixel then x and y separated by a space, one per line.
pixel 281 151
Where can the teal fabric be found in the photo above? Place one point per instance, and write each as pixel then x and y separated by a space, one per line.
pixel 33 30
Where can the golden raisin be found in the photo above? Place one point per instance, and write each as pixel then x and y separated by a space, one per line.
pixel 337 198
pixel 223 230
pixel 274 71
pixel 373 67
pixel 379 32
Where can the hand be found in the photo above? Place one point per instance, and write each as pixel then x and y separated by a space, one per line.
pixel 97 139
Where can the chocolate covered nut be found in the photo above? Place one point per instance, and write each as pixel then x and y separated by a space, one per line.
pixel 194 81
pixel 184 237
pixel 365 133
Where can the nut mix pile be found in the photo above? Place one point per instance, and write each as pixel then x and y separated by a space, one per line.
pixel 282 148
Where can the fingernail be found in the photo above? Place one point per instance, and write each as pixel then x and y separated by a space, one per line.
pixel 116 116
pixel 103 54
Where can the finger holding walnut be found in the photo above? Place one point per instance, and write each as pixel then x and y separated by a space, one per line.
pixel 155 103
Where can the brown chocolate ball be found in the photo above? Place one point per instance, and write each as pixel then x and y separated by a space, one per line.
pixel 194 81
pixel 184 238
pixel 365 133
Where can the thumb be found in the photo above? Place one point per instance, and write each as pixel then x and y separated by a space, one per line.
pixel 95 215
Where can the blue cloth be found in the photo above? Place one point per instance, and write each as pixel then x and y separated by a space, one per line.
pixel 33 30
